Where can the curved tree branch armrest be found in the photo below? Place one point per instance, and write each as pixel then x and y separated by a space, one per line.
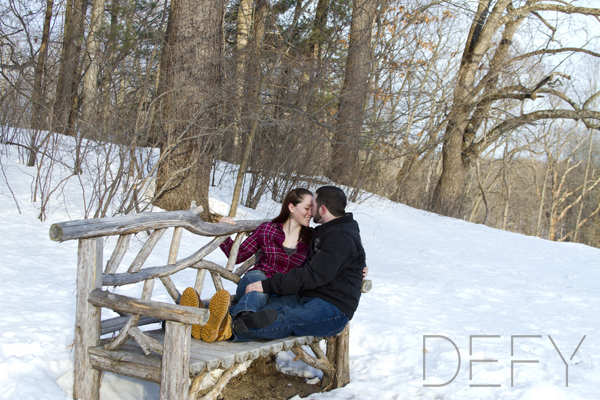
pixel 134 223
pixel 149 308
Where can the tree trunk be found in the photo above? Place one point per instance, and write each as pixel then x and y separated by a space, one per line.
pixel 447 193
pixel 344 164
pixel 107 73
pixel 190 84
pixel 68 72
pixel 583 190
pixel 38 113
pixel 90 79
pixel 313 55
pixel 244 22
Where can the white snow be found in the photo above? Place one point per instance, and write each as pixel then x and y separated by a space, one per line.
pixel 432 276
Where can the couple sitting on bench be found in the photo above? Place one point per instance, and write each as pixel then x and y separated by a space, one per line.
pixel 306 282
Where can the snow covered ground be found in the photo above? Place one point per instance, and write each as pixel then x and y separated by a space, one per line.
pixel 432 276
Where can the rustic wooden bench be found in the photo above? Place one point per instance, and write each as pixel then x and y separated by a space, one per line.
pixel 171 357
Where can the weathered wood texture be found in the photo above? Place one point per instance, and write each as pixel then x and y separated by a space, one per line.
pixel 175 370
pixel 149 308
pixel 127 278
pixel 199 283
pixel 195 386
pixel 209 356
pixel 337 354
pixel 217 280
pixel 175 242
pixel 147 248
pixel 87 320
pixel 171 359
pixel 366 286
pixel 134 223
pixel 172 260
pixel 235 249
pixel 249 263
pixel 118 254
pixel 216 390
pixel 147 343
pixel 133 320
pixel 128 363
pixel 319 363
pixel 116 324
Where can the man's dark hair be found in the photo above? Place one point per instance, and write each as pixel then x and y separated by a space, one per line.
pixel 333 198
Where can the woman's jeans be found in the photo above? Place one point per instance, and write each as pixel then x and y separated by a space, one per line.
pixel 249 303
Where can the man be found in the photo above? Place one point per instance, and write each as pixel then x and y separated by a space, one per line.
pixel 317 299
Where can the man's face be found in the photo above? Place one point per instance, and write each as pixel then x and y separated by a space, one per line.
pixel 315 211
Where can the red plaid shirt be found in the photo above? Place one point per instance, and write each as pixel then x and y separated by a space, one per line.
pixel 268 238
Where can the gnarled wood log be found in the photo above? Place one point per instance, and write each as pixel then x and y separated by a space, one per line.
pixel 319 363
pixel 127 278
pixel 117 323
pixel 134 223
pixel 175 369
pixel 147 343
pixel 249 263
pixel 87 319
pixel 149 308
pixel 133 320
pixel 118 254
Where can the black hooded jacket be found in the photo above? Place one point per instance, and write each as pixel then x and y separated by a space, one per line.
pixel 334 269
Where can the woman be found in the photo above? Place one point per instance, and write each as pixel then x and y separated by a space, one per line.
pixel 283 242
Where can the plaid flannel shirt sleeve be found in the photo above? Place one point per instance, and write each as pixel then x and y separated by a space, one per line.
pixel 248 247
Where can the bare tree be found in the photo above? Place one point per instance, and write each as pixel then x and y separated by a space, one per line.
pixel 69 74
pixel 190 85
pixel 92 62
pixel 487 76
pixel 38 107
pixel 350 116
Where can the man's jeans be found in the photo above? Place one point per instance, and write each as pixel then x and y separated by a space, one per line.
pixel 297 316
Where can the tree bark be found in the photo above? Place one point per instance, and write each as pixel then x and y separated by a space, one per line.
pixel 68 71
pixel 90 78
pixel 479 85
pixel 190 84
pixel 38 100
pixel 344 164
pixel 244 23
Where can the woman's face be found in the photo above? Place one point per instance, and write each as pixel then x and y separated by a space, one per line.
pixel 302 211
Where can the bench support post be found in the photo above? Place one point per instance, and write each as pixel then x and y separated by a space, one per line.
pixel 175 369
pixel 87 320
pixel 337 354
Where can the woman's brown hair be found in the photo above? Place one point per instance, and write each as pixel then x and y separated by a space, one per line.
pixel 295 197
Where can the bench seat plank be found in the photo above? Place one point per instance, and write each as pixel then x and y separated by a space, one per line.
pixel 131 361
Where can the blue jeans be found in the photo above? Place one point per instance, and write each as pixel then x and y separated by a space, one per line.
pixel 298 316
pixel 255 300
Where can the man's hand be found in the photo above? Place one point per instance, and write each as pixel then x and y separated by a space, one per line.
pixel 365 272
pixel 254 287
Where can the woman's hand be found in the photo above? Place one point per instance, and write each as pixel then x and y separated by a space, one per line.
pixel 365 272
pixel 227 220
pixel 254 287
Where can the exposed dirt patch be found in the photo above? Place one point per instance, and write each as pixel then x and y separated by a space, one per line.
pixel 254 385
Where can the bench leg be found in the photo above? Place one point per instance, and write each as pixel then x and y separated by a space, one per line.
pixel 175 368
pixel 337 354
pixel 87 321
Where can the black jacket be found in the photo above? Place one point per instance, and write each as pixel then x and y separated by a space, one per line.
pixel 334 269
